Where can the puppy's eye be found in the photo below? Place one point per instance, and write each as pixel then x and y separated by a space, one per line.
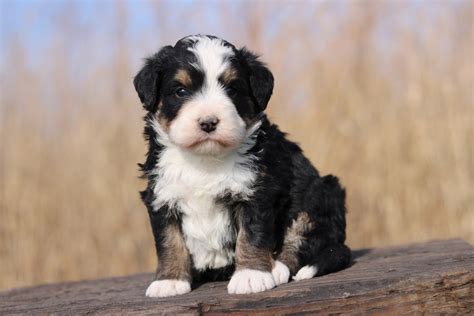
pixel 231 91
pixel 182 93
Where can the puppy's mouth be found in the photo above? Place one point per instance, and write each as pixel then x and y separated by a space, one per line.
pixel 209 139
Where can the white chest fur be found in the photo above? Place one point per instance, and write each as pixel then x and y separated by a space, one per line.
pixel 190 184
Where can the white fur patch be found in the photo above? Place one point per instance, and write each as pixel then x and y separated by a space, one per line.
pixel 306 272
pixel 281 273
pixel 190 184
pixel 249 281
pixel 164 288
pixel 206 229
pixel 211 54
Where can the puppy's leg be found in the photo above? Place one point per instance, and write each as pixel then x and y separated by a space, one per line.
pixel 289 254
pixel 254 260
pixel 322 250
pixel 173 275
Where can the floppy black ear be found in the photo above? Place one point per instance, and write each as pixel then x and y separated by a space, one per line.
pixel 147 81
pixel 260 78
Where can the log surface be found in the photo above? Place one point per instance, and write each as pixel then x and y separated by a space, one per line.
pixel 436 276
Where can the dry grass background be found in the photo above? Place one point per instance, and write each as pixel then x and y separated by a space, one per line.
pixel 379 93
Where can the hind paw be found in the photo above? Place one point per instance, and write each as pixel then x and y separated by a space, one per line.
pixel 306 272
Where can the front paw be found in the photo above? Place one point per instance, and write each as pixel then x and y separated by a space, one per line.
pixel 250 281
pixel 280 272
pixel 164 288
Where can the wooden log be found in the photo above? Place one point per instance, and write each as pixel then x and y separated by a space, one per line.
pixel 436 276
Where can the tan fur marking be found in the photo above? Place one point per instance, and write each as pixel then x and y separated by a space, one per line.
pixel 164 123
pixel 174 262
pixel 184 78
pixel 229 75
pixel 293 240
pixel 250 257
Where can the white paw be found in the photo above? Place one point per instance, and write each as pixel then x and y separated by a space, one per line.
pixel 164 288
pixel 306 272
pixel 281 273
pixel 250 281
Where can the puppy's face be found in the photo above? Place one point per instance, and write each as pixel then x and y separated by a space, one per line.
pixel 204 93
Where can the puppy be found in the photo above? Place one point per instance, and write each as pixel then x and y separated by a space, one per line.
pixel 228 195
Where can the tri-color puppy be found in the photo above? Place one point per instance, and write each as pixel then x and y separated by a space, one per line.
pixel 228 195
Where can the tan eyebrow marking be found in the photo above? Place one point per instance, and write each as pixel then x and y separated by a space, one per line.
pixel 184 78
pixel 229 75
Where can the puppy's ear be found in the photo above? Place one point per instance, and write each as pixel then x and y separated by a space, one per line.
pixel 260 78
pixel 147 81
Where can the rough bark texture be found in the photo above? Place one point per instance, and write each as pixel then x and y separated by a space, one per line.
pixel 437 277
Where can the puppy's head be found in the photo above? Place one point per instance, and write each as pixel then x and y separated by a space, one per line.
pixel 205 94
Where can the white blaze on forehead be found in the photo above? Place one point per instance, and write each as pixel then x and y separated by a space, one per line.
pixel 212 58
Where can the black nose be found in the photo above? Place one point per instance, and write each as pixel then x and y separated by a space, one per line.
pixel 208 124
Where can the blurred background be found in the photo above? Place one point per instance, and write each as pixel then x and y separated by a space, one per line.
pixel 379 93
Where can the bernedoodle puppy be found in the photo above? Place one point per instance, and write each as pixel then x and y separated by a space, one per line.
pixel 228 195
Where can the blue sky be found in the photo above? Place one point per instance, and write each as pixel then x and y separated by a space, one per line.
pixel 33 23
